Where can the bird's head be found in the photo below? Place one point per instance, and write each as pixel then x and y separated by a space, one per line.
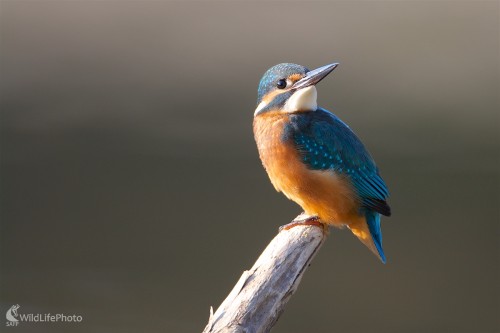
pixel 290 88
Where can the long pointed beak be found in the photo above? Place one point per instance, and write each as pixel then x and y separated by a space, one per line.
pixel 314 76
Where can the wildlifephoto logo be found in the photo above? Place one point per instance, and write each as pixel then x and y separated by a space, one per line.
pixel 12 315
pixel 14 318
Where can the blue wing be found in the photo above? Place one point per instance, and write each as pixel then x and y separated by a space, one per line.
pixel 326 143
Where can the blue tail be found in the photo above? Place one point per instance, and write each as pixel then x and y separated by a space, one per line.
pixel 373 221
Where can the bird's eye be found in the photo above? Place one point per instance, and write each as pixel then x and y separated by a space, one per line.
pixel 281 84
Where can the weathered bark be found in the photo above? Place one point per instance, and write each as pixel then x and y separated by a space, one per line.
pixel 259 297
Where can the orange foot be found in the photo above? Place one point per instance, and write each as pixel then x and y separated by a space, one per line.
pixel 303 219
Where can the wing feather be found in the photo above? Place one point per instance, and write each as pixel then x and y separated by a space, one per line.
pixel 326 143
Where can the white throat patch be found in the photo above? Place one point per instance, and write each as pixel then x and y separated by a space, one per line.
pixel 304 99
pixel 260 107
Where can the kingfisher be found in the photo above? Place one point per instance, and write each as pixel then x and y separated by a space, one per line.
pixel 315 159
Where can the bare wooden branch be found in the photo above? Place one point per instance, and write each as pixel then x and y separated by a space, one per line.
pixel 258 299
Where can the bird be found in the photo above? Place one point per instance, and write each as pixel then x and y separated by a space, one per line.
pixel 315 159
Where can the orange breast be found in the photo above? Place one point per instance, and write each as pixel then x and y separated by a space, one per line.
pixel 321 193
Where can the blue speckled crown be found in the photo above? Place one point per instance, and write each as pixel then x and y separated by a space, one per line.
pixel 276 73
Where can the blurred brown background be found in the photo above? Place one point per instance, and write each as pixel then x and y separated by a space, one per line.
pixel 132 192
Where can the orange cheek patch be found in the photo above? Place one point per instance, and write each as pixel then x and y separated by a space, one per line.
pixel 270 96
pixel 295 77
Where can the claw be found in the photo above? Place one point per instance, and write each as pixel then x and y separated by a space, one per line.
pixel 303 219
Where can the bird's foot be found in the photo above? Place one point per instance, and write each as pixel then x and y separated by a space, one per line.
pixel 304 219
